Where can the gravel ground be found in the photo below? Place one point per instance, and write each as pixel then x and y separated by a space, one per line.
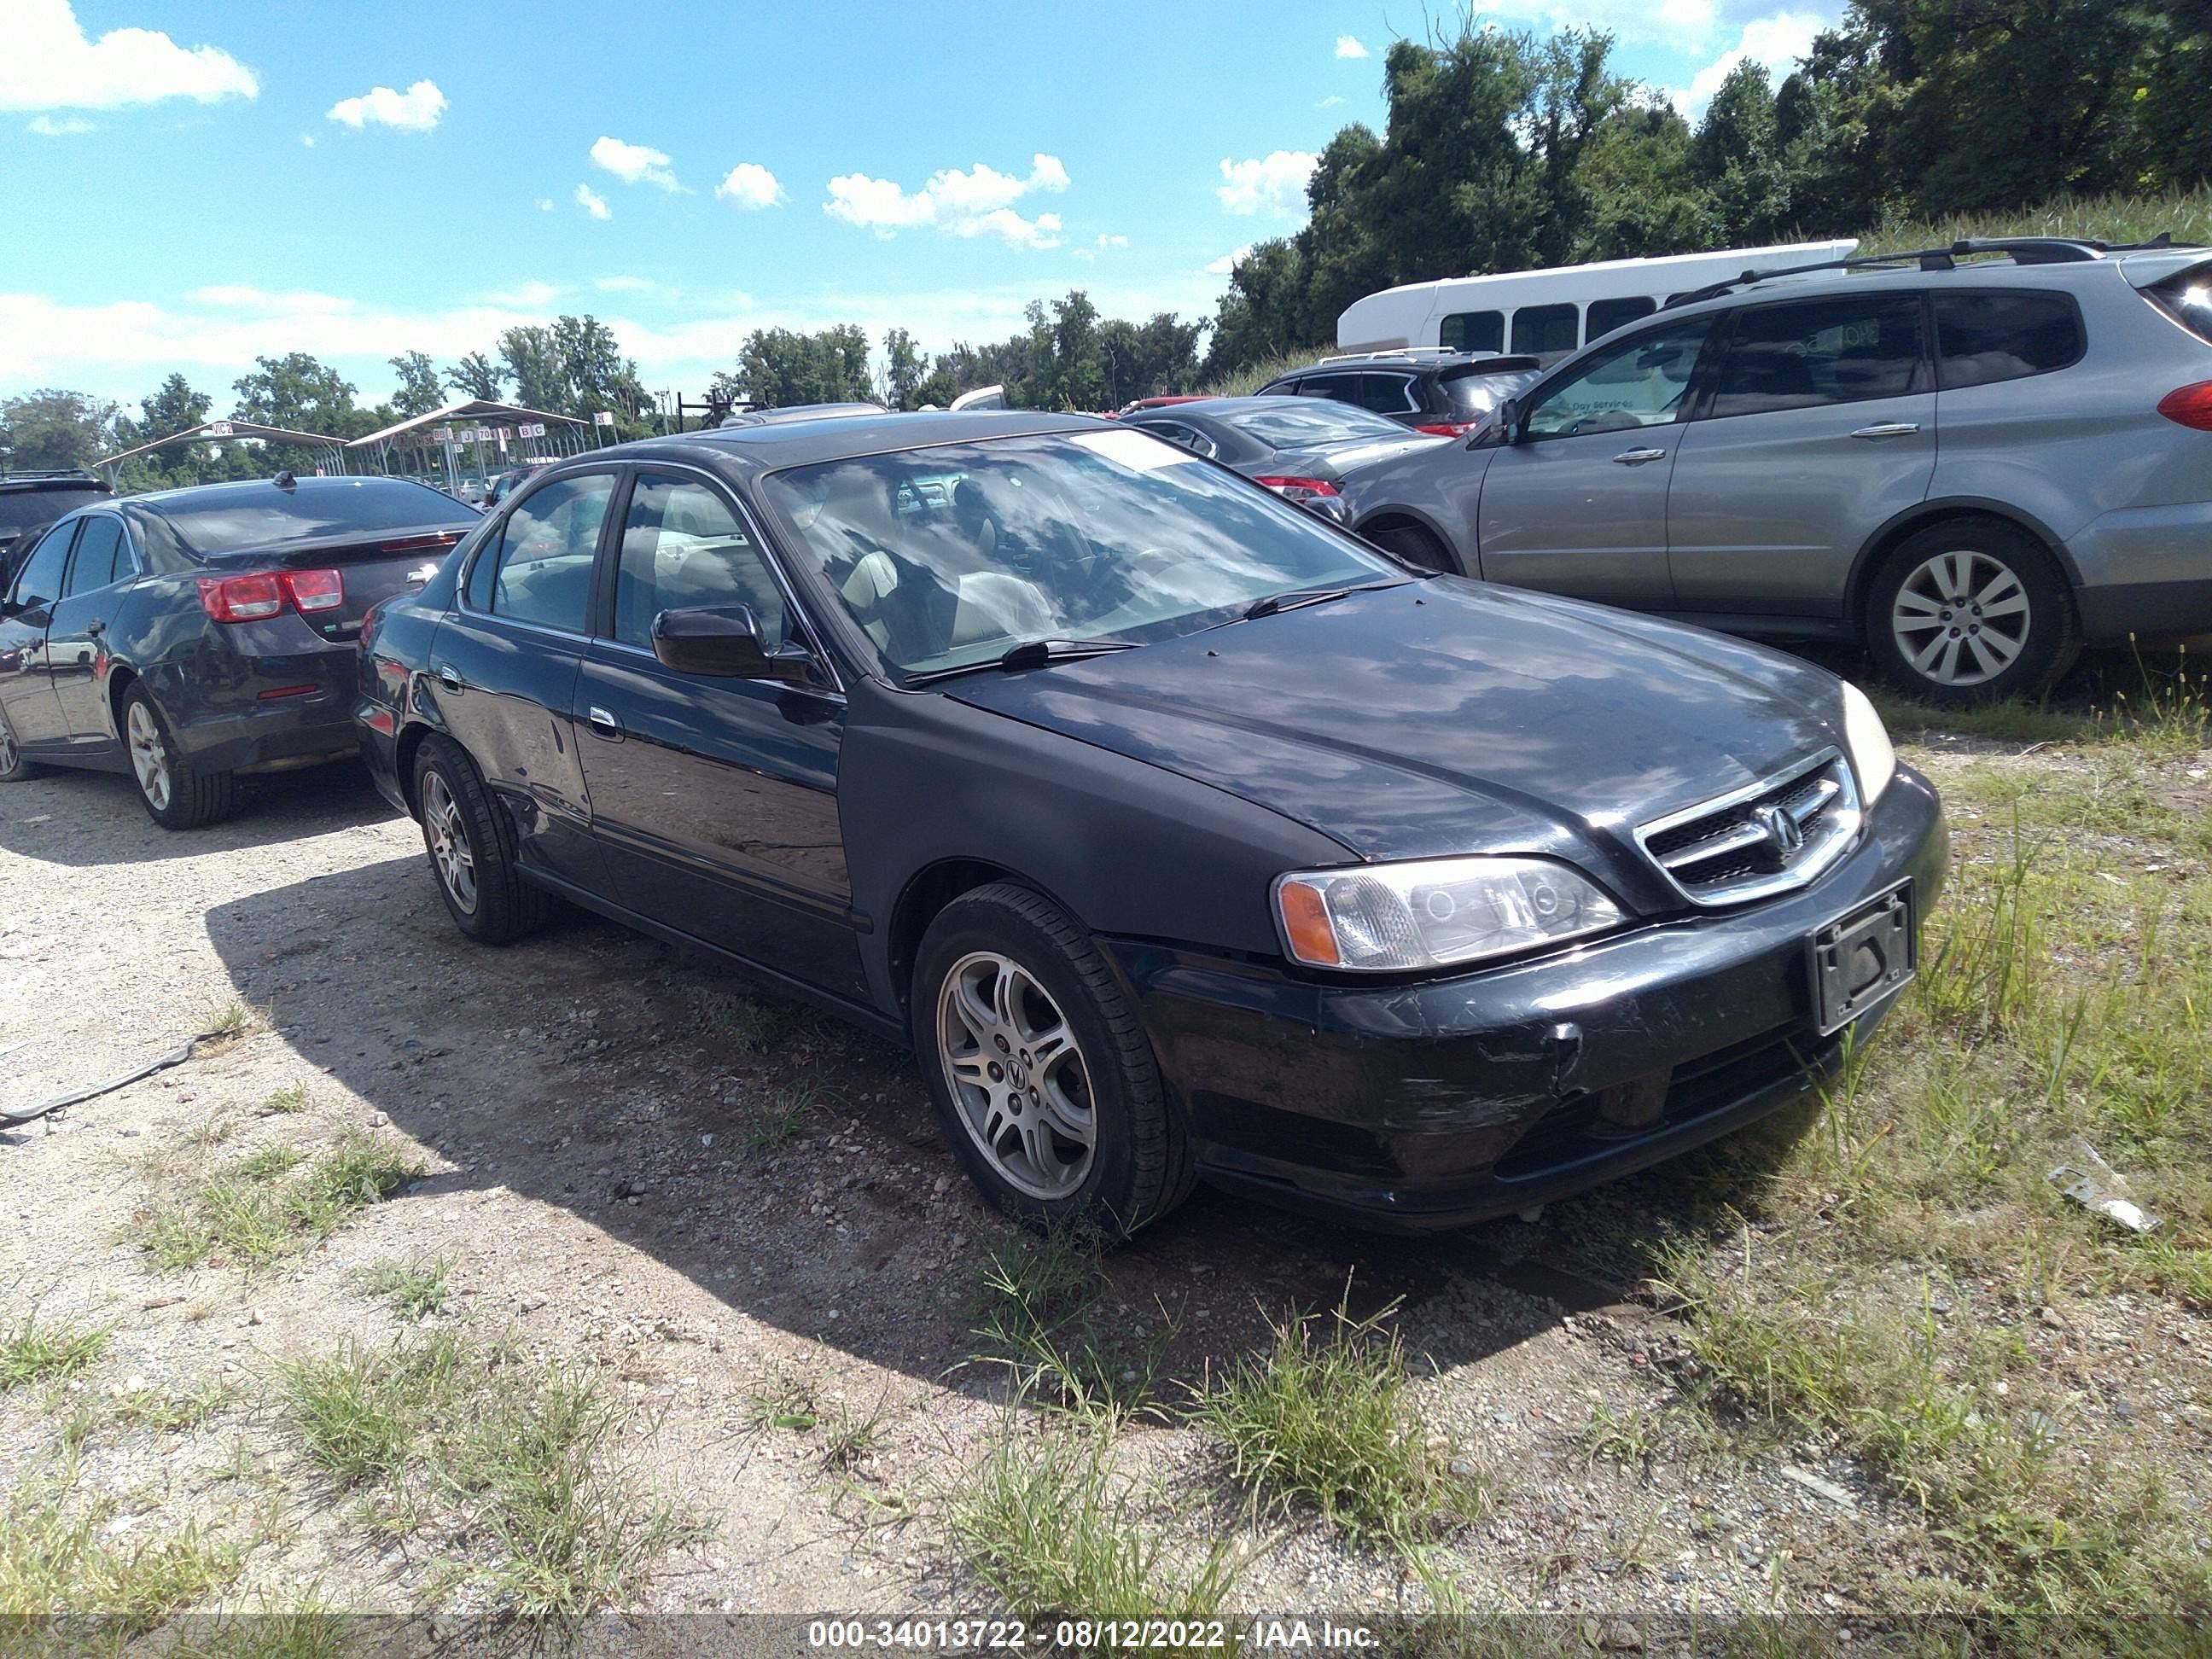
pixel 588 1110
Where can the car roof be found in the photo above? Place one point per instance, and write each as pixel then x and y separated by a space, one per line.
pixel 758 449
pixel 1970 270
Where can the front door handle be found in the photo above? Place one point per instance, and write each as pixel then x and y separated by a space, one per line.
pixel 1637 457
pixel 602 723
pixel 1889 429
pixel 450 677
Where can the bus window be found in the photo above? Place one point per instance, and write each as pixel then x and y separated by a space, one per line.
pixel 1543 330
pixel 1474 330
pixel 1607 315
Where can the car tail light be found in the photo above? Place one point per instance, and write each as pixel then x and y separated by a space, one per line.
pixel 264 594
pixel 2188 405
pixel 1296 490
pixel 1448 429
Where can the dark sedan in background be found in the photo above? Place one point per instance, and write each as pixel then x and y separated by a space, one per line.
pixel 191 637
pixel 1299 447
pixel 1179 832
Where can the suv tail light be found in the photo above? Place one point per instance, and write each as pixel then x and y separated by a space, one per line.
pixel 264 594
pixel 1448 429
pixel 1294 489
pixel 2188 405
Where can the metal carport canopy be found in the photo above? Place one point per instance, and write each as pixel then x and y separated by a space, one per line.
pixel 217 430
pixel 474 407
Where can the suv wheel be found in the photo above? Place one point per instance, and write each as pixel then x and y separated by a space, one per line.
pixel 471 846
pixel 1040 1069
pixel 1971 610
pixel 14 768
pixel 178 796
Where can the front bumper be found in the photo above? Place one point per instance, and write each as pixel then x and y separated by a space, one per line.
pixel 1434 1105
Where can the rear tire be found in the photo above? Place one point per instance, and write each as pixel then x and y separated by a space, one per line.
pixel 14 768
pixel 1971 611
pixel 1042 1075
pixel 177 794
pixel 1418 547
pixel 472 849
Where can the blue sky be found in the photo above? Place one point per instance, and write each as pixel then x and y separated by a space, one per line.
pixel 188 186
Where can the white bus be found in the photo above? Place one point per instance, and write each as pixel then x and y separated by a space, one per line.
pixel 1547 313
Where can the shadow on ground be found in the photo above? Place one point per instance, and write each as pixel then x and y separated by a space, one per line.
pixel 83 819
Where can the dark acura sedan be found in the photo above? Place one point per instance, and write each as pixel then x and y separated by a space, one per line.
pixel 1299 447
pixel 1182 835
pixel 193 637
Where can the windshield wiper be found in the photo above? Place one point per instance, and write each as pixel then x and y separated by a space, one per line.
pixel 1029 653
pixel 1297 596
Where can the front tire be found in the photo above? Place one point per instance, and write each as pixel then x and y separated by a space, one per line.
pixel 471 847
pixel 177 794
pixel 1046 1083
pixel 1417 547
pixel 1969 611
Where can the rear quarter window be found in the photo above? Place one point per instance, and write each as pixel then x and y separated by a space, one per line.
pixel 2005 334
pixel 2186 296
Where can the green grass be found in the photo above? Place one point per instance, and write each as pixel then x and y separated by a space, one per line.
pixel 260 1209
pixel 228 1019
pixel 1043 1314
pixel 413 1290
pixel 1245 381
pixel 543 1520
pixel 1047 1523
pixel 2187 213
pixel 48 1351
pixel 779 1117
pixel 284 1102
pixel 56 1557
pixel 785 1402
pixel 1323 1420
pixel 170 1412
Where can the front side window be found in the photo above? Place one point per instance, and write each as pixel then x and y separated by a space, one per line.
pixel 1546 331
pixel 99 550
pixel 40 583
pixel 2007 335
pixel 1474 330
pixel 682 547
pixel 1644 380
pixel 1093 536
pixel 1811 352
pixel 539 570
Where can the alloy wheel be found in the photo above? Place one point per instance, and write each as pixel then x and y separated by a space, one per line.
pixel 149 755
pixel 449 843
pixel 1960 618
pixel 9 754
pixel 1017 1074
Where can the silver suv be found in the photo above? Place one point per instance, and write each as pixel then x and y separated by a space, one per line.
pixel 1974 459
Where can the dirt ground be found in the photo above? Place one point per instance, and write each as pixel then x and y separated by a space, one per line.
pixel 634 1161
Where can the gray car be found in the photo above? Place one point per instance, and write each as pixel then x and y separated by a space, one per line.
pixel 1974 459
pixel 1299 447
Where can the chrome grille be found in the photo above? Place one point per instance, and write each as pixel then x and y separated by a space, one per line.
pixel 1776 834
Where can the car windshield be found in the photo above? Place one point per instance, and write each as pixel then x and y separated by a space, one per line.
pixel 1301 422
pixel 947 556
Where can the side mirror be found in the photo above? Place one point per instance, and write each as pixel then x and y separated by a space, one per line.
pixel 1498 429
pixel 724 642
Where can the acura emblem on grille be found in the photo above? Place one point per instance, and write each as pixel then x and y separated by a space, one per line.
pixel 1781 830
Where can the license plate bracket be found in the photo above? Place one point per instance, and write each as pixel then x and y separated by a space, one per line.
pixel 1864 957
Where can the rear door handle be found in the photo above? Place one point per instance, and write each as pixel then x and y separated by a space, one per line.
pixel 1637 457
pixel 1889 429
pixel 450 677
pixel 602 723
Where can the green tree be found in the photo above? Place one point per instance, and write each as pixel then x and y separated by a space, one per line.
pixel 1737 159
pixel 1077 375
pixel 301 393
pixel 419 391
pixel 905 367
pixel 535 364
pixel 475 376
pixel 780 367
pixel 55 428
pixel 173 408
pixel 598 375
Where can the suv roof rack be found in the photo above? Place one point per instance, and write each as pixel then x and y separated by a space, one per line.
pixel 2024 250
pixel 1398 352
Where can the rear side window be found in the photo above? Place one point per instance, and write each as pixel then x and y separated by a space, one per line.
pixel 1544 330
pixel 1607 315
pixel 1344 388
pixel 1474 330
pixel 1387 394
pixel 2003 336
pixel 40 584
pixel 100 548
pixel 1812 352
pixel 540 569
pixel 2186 296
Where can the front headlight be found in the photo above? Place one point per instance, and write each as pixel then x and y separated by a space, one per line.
pixel 1387 918
pixel 1873 760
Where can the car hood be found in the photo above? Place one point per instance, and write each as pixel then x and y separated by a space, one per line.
pixel 1445 716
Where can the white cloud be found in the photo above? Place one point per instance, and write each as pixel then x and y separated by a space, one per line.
pixel 1227 262
pixel 1275 184
pixel 975 202
pixel 633 164
pixel 51 63
pixel 415 109
pixel 1331 101
pixel 628 285
pixel 1104 244
pixel 1777 42
pixel 47 127
pixel 749 184
pixel 546 204
pixel 1347 45
pixel 593 203
pixel 532 295
pixel 1665 23
pixel 306 141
